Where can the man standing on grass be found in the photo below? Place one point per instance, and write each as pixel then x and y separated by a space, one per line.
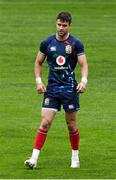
pixel 62 51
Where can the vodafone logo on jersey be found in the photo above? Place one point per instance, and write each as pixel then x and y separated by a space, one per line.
pixel 60 60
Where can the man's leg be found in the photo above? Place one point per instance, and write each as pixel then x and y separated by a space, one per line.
pixel 71 120
pixel 46 121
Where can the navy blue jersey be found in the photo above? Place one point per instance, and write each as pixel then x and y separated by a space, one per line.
pixel 62 57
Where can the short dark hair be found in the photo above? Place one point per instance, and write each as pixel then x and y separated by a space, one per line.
pixel 64 16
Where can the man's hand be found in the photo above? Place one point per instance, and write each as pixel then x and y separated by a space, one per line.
pixel 81 87
pixel 41 88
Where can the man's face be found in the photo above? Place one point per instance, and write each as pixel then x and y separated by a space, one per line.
pixel 62 28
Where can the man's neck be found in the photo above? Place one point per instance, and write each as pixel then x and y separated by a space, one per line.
pixel 60 38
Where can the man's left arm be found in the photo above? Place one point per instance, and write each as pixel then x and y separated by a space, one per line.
pixel 82 60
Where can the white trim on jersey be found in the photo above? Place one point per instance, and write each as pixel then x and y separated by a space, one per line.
pixel 41 53
pixel 80 54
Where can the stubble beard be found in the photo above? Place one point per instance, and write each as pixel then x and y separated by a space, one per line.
pixel 62 34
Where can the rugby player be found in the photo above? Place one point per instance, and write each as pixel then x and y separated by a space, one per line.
pixel 63 52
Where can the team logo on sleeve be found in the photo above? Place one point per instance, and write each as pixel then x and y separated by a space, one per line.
pixel 60 60
pixel 68 49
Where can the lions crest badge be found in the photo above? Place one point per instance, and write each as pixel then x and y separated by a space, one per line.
pixel 68 49
pixel 47 101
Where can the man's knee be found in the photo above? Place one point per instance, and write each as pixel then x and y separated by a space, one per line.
pixel 72 128
pixel 45 123
pixel 72 125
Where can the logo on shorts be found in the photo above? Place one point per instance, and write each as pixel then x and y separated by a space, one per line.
pixel 71 106
pixel 68 49
pixel 47 101
pixel 60 60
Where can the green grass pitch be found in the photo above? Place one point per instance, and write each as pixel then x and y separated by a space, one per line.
pixel 23 24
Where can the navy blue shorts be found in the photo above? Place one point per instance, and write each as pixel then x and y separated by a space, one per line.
pixel 69 101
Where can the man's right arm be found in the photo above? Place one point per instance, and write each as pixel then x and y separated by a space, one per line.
pixel 38 71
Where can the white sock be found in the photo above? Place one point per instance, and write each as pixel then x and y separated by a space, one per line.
pixel 35 154
pixel 75 154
